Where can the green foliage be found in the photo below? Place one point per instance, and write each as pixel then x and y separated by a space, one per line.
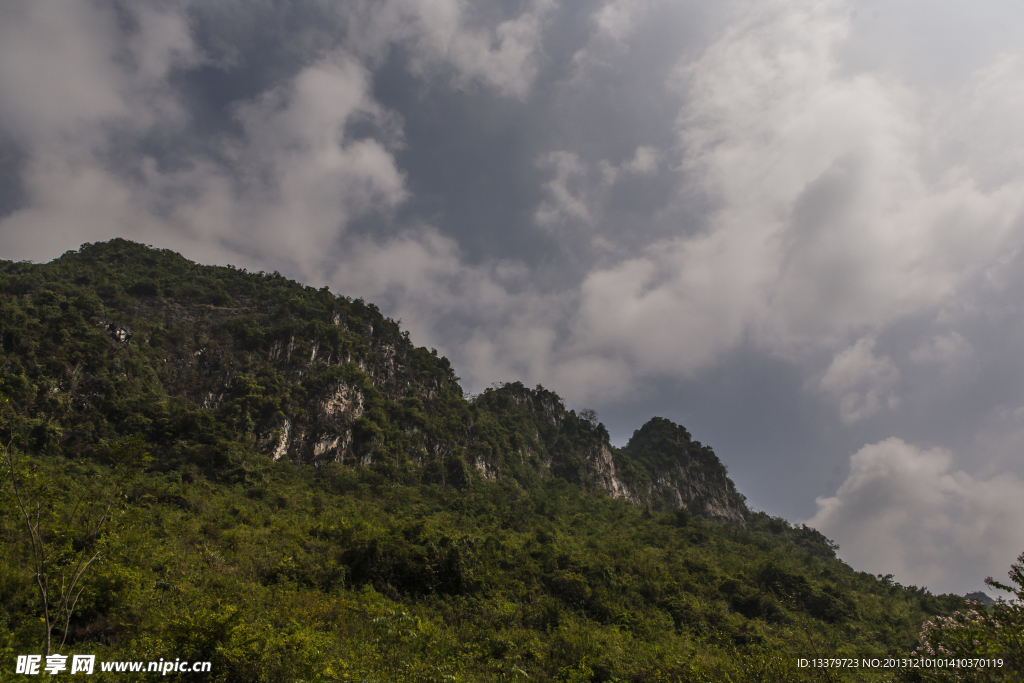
pixel 67 519
pixel 313 572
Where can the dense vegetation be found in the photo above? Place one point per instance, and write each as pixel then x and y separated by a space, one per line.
pixel 408 533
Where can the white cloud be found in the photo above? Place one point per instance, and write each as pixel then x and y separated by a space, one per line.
pixel 566 197
pixel 617 19
pixel 669 311
pixel 303 180
pixel 162 41
pixel 824 170
pixel 903 511
pixel 578 192
pixel 942 349
pixel 64 68
pixel 978 124
pixel 863 382
pixel 441 33
pixel 504 56
pixel 615 27
pixel 644 161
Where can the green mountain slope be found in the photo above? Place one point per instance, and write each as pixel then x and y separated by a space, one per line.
pixel 320 501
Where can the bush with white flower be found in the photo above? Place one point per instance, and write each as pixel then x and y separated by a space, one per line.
pixel 990 637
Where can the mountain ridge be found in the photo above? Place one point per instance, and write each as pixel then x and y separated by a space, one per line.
pixel 316 378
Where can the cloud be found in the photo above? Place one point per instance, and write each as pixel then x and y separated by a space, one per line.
pixel 824 220
pixel 824 171
pixel 617 19
pixel 442 34
pixel 942 349
pixel 67 66
pixel 579 192
pixel 70 50
pixel 98 120
pixel 903 511
pixel 644 161
pixel 505 57
pixel 564 203
pixel 287 187
pixel 303 178
pixel 863 382
pixel 283 190
pixel 91 91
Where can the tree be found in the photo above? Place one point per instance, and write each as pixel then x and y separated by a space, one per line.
pixel 989 633
pixel 65 522
pixel 395 631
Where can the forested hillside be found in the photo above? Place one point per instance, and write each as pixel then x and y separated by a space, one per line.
pixel 277 480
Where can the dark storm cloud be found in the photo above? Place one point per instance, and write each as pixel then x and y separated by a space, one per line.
pixel 770 221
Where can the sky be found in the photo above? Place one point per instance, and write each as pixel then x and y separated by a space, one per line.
pixel 793 226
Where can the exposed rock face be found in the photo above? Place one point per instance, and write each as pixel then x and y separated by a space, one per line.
pixel 326 436
pixel 337 413
pixel 690 487
pixel 281 447
pixel 603 463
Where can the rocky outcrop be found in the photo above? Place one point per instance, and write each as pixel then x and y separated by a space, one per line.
pixel 602 463
pixel 665 468
pixel 661 466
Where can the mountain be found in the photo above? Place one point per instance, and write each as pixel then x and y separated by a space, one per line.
pixel 980 596
pixel 275 479
pixel 212 353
